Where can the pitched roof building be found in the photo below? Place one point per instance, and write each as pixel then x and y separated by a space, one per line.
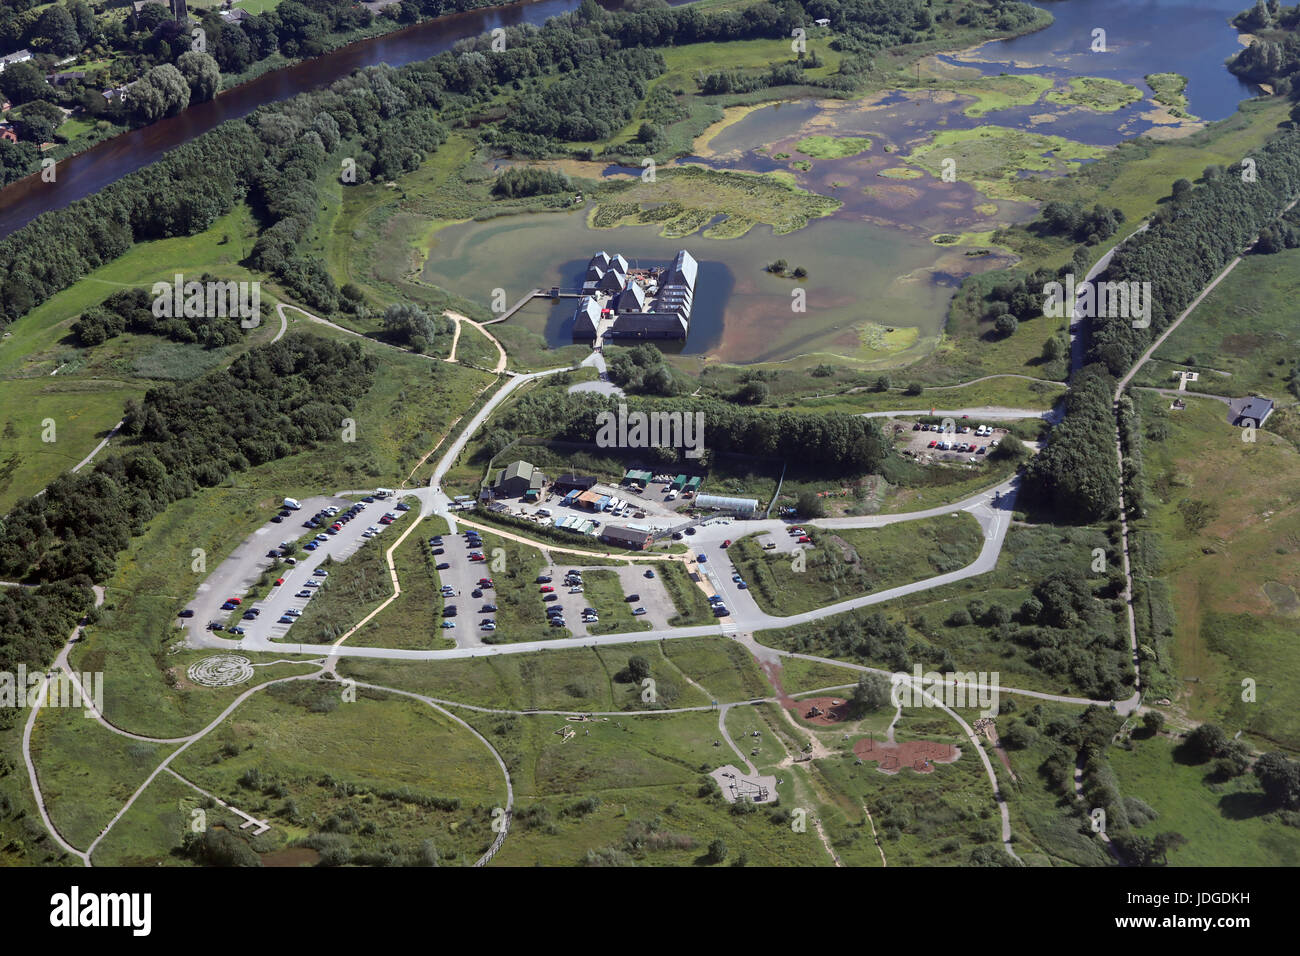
pixel 622 302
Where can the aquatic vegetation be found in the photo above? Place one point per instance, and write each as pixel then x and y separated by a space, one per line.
pixel 689 198
pixel 993 158
pixel 1096 93
pixel 832 147
pixel 1168 90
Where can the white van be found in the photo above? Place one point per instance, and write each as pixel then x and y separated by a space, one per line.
pixel 292 504
pixel 383 492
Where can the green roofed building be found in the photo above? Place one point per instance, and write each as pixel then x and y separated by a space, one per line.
pixel 518 480
pixel 640 477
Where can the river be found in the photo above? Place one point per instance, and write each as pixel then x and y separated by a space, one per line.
pixel 88 172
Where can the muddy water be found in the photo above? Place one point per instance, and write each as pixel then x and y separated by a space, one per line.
pixel 733 293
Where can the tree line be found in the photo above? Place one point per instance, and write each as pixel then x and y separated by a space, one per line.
pixel 1077 475
pixel 1191 239
pixel 833 444
pixel 272 402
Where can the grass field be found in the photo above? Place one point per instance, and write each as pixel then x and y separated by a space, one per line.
pixel 366 772
pixel 1224 823
pixel 1232 568
pixel 1243 338
pixel 354 588
pixel 577 680
pixel 848 563
pixel 86 772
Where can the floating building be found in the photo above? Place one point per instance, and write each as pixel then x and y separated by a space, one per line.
pixel 619 301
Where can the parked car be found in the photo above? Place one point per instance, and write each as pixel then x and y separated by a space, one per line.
pixel 546 589
pixel 727 543
pixel 444 566
pixel 639 611
pixel 485 582
pixel 633 598
pixel 286 619
pixel 188 612
pixel 321 573
pixel 236 630
pixel 477 592
pixel 543 579
pixel 804 539
pixel 649 572
pixel 550 597
pixel 448 624
pixel 488 608
pixel 304 593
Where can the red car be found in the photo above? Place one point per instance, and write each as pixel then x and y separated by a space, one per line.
pixel 485 582
pixel 727 543
pixel 546 589
pixel 804 539
pixel 238 601
pixel 477 557
pixel 278 582
pixel 932 444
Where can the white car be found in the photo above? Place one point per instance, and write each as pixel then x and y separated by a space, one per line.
pixel 576 589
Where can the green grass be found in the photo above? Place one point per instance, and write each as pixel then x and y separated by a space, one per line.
pixel 86 772
pixel 991 157
pixel 314 762
pixel 1096 93
pixel 81 412
pixel 1224 823
pixel 721 666
pixel 848 563
pixel 570 679
pixel 686 199
pixel 692 606
pixel 1225 576
pixel 1167 89
pixel 513 568
pixel 1243 339
pixel 414 619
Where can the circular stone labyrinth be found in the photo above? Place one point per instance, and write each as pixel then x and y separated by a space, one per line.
pixel 221 670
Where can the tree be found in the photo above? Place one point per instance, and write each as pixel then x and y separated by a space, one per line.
pixel 1280 778
pixel 1153 722
pixel 870 694
pixel 22 82
pixel 201 73
pixel 810 505
pixel 717 851
pixel 406 321
pixel 881 384
pixel 55 26
pixel 1018 736
pixel 913 389
pixel 1006 324
pixel 163 91
pixel 638 668
pixel 1205 742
